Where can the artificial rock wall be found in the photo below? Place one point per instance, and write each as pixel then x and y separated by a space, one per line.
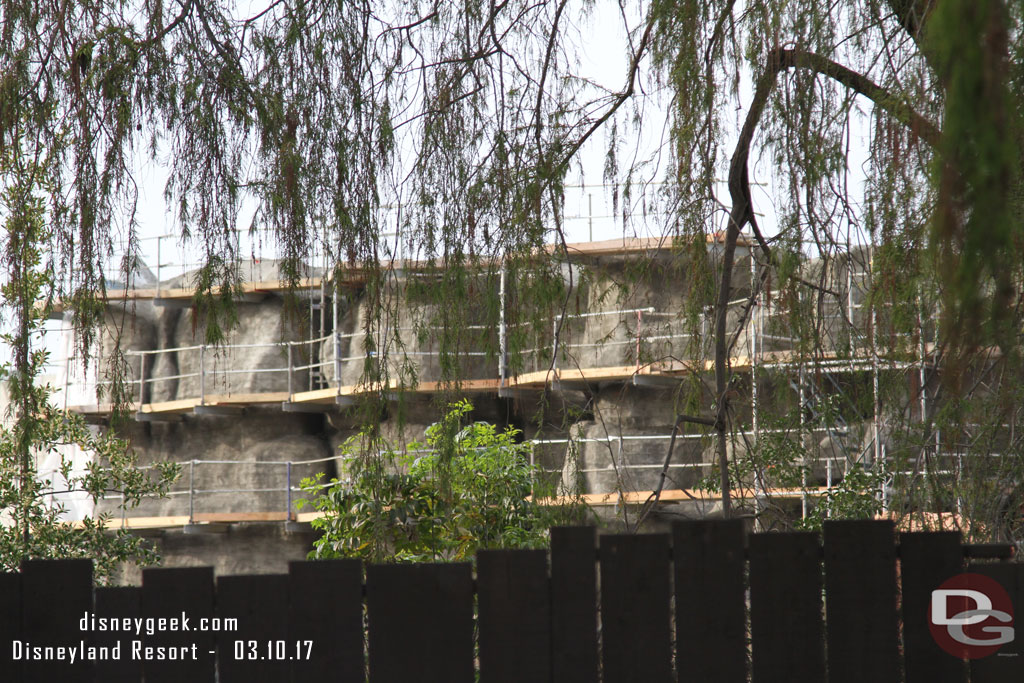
pixel 618 315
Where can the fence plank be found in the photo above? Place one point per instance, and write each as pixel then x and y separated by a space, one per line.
pixel 10 624
pixel 636 608
pixel 787 634
pixel 926 560
pixel 259 649
pixel 119 602
pixel 574 604
pixel 327 609
pixel 860 602
pixel 420 623
pixel 711 620
pixel 513 599
pixel 59 593
pixel 179 592
pixel 1008 663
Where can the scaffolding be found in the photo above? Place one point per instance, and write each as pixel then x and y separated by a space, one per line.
pixel 312 373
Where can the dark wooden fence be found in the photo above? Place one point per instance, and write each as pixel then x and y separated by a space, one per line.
pixel 704 603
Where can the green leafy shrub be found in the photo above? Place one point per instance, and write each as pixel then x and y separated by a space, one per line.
pixel 469 487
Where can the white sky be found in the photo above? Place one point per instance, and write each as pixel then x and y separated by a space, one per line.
pixel 588 209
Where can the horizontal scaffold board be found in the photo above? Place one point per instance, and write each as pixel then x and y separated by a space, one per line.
pixel 928 521
pixel 187 293
pixel 200 518
pixel 235 517
pixel 630 245
pixel 186 405
pixel 591 499
pixel 543 377
pixel 536 380
pixel 356 275
pixel 330 394
pixel 678 495
pixel 141 522
pixel 172 521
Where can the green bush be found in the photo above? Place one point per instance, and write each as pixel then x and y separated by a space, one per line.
pixel 469 487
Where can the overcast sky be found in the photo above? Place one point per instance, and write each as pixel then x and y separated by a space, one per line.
pixel 588 210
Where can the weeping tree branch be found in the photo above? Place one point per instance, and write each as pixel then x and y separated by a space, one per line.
pixel 618 100
pixel 912 15
pixel 891 103
pixel 742 212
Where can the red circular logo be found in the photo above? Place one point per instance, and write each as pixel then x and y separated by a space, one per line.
pixel 971 616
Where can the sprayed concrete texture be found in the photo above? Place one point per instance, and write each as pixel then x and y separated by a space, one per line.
pixel 252 359
pixel 595 437
pixel 229 549
pixel 623 447
pixel 243 460
pixel 249 475
pixel 408 345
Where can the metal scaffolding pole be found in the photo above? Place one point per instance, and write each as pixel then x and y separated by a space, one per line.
pixel 142 380
pixel 158 239
pixel 754 346
pixel 803 475
pixel 876 407
pixel 921 379
pixel 752 341
pixel 502 332
pixel 68 364
pixel 849 296
pixel 336 335
pixel 202 375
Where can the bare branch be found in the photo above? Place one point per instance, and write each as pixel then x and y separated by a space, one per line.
pixel 742 212
pixel 618 100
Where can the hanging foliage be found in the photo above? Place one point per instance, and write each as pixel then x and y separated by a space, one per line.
pixel 455 125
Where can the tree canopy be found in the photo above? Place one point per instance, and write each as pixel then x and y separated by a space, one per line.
pixel 458 123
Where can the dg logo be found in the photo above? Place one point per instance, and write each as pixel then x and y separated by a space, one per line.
pixel 971 616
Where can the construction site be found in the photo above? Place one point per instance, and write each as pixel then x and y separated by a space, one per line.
pixel 595 390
